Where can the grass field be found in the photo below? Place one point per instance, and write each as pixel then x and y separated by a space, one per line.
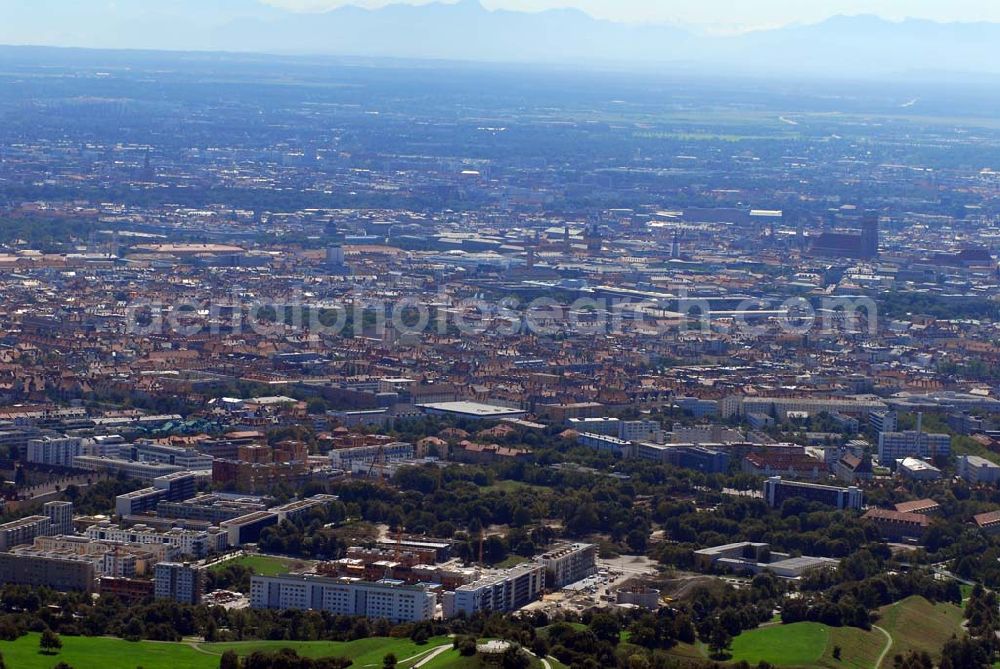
pixel 512 561
pixel 263 565
pixel 364 652
pixel 913 624
pixel 801 644
pixel 858 649
pixel 514 487
pixel 103 652
pixel 916 624
pixel 798 646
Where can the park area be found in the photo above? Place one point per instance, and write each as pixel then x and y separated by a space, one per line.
pixel 913 624
pixel 105 652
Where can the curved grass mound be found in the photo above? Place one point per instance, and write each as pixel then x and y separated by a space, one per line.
pixel 916 624
pixel 809 645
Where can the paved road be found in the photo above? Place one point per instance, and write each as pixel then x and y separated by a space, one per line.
pixel 430 656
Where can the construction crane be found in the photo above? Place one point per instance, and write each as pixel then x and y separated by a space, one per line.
pixel 378 465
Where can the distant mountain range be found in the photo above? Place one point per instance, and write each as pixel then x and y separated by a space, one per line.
pixel 466 31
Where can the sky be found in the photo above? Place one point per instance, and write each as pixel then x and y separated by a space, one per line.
pixel 723 14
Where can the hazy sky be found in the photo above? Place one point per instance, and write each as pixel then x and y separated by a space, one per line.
pixel 725 13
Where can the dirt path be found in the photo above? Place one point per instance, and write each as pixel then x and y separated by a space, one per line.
pixel 888 646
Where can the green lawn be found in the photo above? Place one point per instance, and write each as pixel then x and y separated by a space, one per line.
pixel 916 624
pixel 858 649
pixel 263 565
pixel 363 651
pixel 577 627
pixel 514 487
pixel 913 624
pixel 104 652
pixel 801 644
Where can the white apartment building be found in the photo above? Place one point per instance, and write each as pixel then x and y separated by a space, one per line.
pixel 894 446
pixel 505 591
pixel 739 405
pixel 387 599
pixel 569 564
pixel 606 444
pixel 187 458
pixel 641 430
pixel 975 469
pixel 188 542
pixel 180 582
pixel 345 458
pixel 58 451
pixel 883 421
pixel 60 515
pixel 141 471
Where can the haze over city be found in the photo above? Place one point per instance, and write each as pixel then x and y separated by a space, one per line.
pixel 830 39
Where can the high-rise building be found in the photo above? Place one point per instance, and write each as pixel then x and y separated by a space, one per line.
pixel 870 235
pixel 58 451
pixel 567 565
pixel 181 582
pixel 60 515
pixel 594 241
pixel 883 421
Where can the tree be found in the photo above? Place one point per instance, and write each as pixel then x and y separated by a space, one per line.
pixel 3 665
pixel 50 643
pixel 63 665
pixel 719 640
pixel 515 658
pixel 133 630
pixel 389 661
pixel 420 635
pixel 637 541
pixel 230 660
pixel 466 645
pixel 211 631
pixel 605 627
